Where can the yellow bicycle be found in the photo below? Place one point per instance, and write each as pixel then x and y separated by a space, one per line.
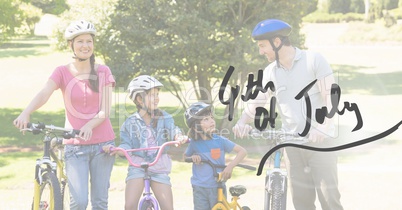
pixel 50 185
pixel 57 154
pixel 235 191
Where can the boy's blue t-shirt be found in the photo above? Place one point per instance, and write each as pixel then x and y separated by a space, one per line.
pixel 213 150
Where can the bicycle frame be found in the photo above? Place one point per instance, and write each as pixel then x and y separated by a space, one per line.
pixel 147 192
pixel 49 167
pixel 147 195
pixel 276 178
pixel 277 169
pixel 42 165
pixel 58 159
pixel 273 174
pixel 222 202
pixel 61 175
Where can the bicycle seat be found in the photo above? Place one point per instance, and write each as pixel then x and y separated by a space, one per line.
pixel 237 190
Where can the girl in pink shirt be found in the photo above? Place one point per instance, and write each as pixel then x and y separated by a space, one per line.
pixel 87 92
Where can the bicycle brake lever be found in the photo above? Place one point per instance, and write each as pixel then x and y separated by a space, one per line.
pixel 34 129
pixel 71 134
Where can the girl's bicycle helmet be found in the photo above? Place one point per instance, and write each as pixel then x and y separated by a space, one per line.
pixel 195 111
pixel 141 84
pixel 268 29
pixel 77 28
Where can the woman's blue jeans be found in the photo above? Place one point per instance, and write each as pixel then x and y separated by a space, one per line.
pixel 84 164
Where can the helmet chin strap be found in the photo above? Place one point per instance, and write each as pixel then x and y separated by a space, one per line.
pixel 149 112
pixel 80 59
pixel 276 49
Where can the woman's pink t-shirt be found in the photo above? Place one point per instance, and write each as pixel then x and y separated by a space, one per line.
pixel 82 103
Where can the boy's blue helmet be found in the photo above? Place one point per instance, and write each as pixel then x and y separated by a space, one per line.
pixel 270 28
pixel 195 111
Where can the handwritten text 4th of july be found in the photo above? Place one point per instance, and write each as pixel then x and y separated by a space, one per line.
pixel 254 87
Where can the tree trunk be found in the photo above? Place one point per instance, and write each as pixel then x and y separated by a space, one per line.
pixel 204 87
pixel 367 10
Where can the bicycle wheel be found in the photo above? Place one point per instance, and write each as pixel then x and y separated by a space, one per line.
pixel 275 197
pixel 50 194
pixel 65 195
pixel 148 205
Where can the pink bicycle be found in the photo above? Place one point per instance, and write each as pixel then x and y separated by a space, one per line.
pixel 148 201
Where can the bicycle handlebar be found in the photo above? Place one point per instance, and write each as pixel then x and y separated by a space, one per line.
pixel 159 148
pixel 67 133
pixel 214 166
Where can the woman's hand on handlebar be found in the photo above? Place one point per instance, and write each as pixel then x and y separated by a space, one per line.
pixel 21 122
pixel 85 133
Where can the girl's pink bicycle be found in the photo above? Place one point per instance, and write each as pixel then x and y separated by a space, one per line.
pixel 148 201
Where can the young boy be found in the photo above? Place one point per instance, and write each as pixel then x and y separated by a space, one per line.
pixel 205 145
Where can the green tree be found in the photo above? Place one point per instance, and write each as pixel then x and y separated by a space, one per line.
pixel 95 11
pixel 17 18
pixel 8 21
pixel 30 15
pixel 357 6
pixel 389 4
pixel 55 7
pixel 339 6
pixel 193 41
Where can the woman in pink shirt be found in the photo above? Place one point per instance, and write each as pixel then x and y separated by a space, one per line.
pixel 87 92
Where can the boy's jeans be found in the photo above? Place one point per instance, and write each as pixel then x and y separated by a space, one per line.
pixel 205 198
pixel 82 162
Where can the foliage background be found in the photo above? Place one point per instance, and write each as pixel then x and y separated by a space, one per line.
pixel 189 43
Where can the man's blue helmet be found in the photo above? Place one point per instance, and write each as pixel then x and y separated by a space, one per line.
pixel 270 28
